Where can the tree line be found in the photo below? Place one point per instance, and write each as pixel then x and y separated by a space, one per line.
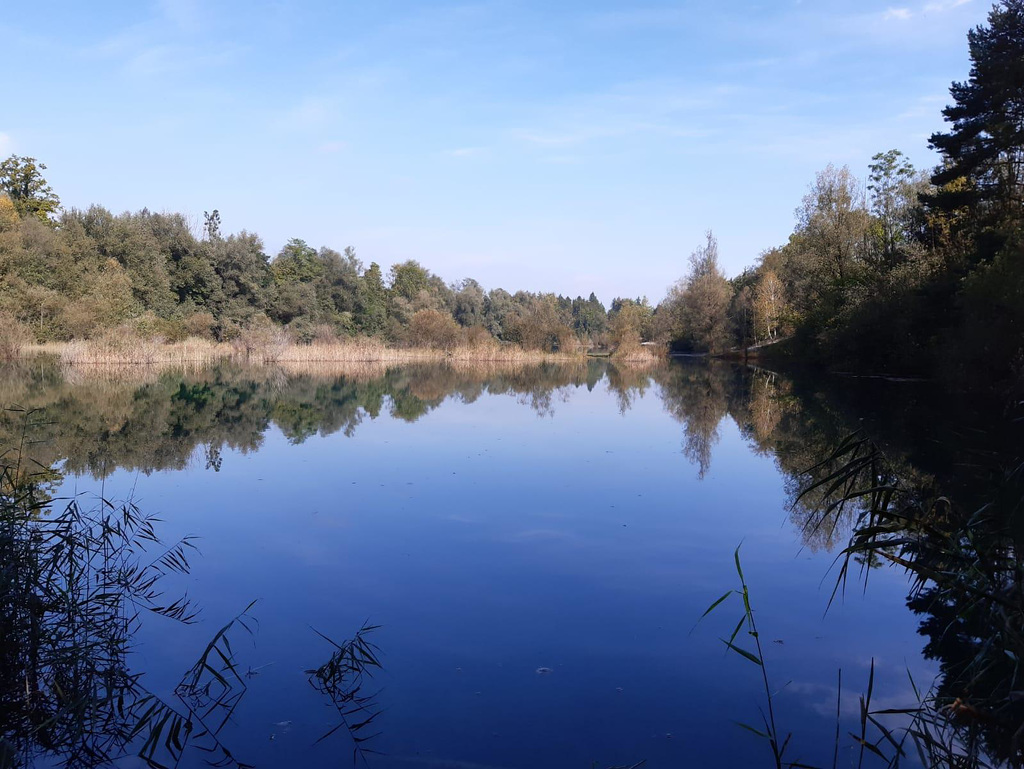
pixel 67 274
pixel 906 271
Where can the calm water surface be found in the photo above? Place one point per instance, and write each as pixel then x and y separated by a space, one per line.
pixel 536 546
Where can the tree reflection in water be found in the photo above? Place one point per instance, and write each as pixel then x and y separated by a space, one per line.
pixel 77 583
pixel 967 584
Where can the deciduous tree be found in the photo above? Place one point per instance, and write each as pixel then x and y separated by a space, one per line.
pixel 8 214
pixel 769 306
pixel 894 188
pixel 702 316
pixel 833 224
pixel 21 178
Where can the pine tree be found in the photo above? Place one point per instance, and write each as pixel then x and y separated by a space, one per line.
pixel 984 148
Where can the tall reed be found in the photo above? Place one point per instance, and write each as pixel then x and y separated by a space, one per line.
pixel 273 348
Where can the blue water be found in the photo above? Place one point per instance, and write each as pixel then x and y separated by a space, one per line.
pixel 489 541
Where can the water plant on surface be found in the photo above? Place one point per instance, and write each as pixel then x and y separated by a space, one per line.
pixel 872 739
pixel 341 679
pixel 75 583
pixel 967 583
pixel 747 624
pixel 967 579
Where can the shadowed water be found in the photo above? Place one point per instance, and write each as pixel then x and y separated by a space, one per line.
pixel 535 544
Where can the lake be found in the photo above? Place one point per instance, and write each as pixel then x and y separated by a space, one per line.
pixel 535 545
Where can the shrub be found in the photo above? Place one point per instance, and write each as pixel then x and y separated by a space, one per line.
pixel 324 334
pixel 569 343
pixel 200 324
pixel 262 341
pixel 434 330
pixel 478 336
pixel 302 331
pixel 14 335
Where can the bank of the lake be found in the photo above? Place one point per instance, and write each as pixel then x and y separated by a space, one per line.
pixel 279 349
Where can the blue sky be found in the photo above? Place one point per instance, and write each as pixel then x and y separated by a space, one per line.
pixel 567 146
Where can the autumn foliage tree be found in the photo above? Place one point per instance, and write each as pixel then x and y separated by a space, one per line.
pixel 21 178
pixel 769 306
pixel 629 323
pixel 433 329
pixel 8 214
pixel 699 304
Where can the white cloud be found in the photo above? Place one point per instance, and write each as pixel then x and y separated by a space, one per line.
pixel 936 6
pixel 944 5
pixel 926 106
pixel 149 50
pixel 898 14
pixel 6 144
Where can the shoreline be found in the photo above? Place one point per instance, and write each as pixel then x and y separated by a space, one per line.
pixel 197 353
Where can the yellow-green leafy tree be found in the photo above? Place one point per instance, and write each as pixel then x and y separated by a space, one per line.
pixel 21 179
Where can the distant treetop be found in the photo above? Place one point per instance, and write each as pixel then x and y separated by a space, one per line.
pixel 22 180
